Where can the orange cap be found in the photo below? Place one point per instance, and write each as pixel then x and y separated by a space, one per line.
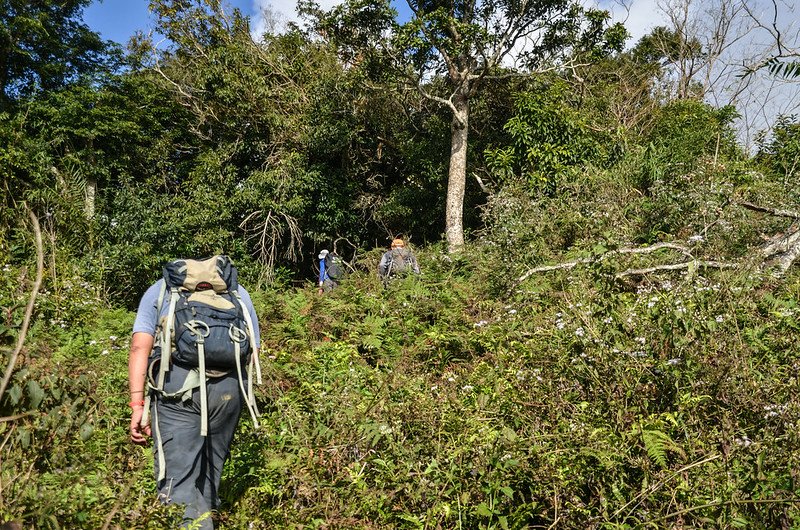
pixel 398 243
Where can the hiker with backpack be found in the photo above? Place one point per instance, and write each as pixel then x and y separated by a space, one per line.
pixel 331 270
pixel 399 259
pixel 193 357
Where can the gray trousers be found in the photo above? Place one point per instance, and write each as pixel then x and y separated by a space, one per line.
pixel 193 462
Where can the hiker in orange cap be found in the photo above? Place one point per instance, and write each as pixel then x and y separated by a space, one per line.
pixel 399 259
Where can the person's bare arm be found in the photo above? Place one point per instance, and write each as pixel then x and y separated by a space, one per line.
pixel 141 346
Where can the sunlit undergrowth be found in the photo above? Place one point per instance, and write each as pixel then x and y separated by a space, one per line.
pixel 477 395
pixel 588 404
pixel 573 399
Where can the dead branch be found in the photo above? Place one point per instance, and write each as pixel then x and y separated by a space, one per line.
pixel 16 417
pixel 638 250
pixel 765 209
pixel 23 332
pixel 782 250
pixel 268 235
pixel 677 267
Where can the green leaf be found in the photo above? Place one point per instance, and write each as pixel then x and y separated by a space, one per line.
pixel 483 510
pixel 86 431
pixel 35 394
pixel 509 434
pixel 24 437
pixel 739 522
pixel 15 394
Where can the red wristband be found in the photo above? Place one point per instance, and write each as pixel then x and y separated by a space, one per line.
pixel 134 404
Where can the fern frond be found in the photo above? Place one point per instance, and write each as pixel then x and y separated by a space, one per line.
pixel 657 443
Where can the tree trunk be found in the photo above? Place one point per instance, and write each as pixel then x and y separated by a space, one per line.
pixel 91 193
pixel 457 176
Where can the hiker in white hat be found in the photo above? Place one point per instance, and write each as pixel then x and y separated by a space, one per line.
pixel 330 270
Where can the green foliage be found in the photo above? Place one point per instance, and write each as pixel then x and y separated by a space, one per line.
pixel 780 67
pixel 550 140
pixel 480 394
pixel 45 45
pixel 685 131
pixel 780 154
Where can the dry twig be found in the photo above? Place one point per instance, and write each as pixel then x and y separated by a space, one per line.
pixel 23 332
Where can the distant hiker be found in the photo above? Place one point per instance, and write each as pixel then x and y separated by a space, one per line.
pixel 193 353
pixel 331 270
pixel 397 260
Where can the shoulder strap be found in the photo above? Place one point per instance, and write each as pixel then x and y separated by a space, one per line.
pixel 161 293
pixel 251 332
pixel 249 396
pixel 166 338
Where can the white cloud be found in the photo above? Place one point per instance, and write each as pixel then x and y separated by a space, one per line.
pixel 273 15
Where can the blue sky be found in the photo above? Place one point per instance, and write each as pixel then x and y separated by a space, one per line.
pixel 118 20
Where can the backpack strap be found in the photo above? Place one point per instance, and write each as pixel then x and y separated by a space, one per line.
pixel 252 333
pixel 161 292
pixel 237 337
pixel 254 365
pixel 166 338
pixel 200 331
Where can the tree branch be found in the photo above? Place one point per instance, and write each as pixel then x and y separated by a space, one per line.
pixel 677 267
pixel 638 250
pixel 772 211
pixel 12 361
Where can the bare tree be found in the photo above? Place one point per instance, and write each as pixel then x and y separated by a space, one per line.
pixel 718 49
